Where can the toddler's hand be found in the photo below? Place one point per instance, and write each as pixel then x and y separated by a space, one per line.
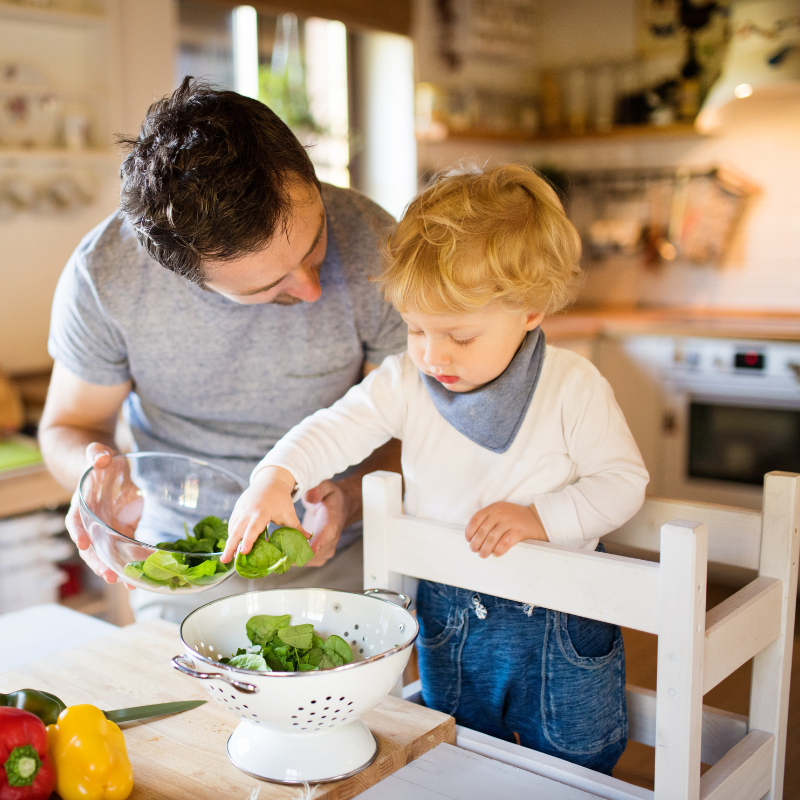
pixel 268 499
pixel 498 527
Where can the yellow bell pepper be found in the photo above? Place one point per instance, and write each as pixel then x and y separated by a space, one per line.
pixel 89 755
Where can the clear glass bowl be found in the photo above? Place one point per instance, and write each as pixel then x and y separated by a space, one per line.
pixel 144 499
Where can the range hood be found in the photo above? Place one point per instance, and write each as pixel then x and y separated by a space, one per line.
pixel 762 64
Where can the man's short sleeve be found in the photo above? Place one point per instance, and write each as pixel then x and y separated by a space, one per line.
pixel 361 227
pixel 391 336
pixel 82 336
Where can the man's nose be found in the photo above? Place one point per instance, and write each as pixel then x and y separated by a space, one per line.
pixel 305 284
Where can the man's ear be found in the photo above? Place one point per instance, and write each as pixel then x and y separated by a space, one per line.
pixel 533 319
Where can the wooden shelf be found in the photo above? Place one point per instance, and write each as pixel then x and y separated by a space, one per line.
pixel 44 89
pixel 92 154
pixel 30 489
pixel 678 130
pixel 54 16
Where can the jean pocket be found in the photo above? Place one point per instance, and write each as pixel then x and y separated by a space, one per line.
pixel 439 658
pixel 583 696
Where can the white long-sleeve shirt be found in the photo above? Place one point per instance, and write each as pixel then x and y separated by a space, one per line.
pixel 574 457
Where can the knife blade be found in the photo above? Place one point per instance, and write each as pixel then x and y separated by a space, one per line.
pixel 156 710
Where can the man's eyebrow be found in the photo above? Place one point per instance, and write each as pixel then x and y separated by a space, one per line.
pixel 321 228
pixel 318 236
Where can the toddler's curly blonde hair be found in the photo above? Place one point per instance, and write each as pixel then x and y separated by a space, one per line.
pixel 481 235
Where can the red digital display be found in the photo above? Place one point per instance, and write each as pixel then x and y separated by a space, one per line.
pixel 749 359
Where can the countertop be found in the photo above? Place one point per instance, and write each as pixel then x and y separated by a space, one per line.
pixel 589 323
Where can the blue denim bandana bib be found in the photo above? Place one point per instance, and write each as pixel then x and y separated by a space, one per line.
pixel 491 415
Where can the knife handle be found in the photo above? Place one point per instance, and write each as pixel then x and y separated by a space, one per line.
pixel 179 662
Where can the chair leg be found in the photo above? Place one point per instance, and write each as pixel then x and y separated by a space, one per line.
pixel 780 547
pixel 681 635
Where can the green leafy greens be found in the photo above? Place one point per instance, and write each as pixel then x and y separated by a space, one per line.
pixel 278 646
pixel 284 548
pixel 189 561
pixel 185 562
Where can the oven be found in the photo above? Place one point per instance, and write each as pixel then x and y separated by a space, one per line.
pixel 731 412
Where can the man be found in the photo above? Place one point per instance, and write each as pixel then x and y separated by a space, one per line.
pixel 228 300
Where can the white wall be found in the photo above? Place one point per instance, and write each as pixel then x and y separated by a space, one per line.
pixel 137 68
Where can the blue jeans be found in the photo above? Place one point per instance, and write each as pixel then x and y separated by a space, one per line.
pixel 557 680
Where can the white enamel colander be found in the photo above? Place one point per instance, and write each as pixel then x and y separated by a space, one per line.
pixel 302 727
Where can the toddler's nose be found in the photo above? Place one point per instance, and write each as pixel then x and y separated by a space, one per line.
pixel 436 356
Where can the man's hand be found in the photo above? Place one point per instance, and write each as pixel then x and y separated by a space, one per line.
pixel 99 456
pixel 326 517
pixel 498 527
pixel 267 499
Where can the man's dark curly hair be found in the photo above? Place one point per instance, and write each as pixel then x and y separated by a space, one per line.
pixel 208 177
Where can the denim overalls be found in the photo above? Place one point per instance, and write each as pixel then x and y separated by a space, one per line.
pixel 502 667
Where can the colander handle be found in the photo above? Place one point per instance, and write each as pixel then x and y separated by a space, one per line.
pixel 404 599
pixel 179 663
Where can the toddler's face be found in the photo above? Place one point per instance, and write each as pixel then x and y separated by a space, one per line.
pixel 465 351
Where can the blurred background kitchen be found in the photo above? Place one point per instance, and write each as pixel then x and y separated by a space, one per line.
pixel 671 128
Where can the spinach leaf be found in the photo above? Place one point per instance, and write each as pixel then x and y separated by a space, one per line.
pixel 298 636
pixel 211 528
pixel 164 565
pixel 262 628
pixel 328 661
pixel 201 574
pixel 263 559
pixel 250 661
pixel 136 571
pixel 284 548
pixel 293 544
pixel 336 646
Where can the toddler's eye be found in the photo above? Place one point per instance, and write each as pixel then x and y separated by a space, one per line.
pixel 464 342
pixel 415 333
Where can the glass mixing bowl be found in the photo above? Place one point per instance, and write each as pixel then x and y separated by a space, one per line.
pixel 145 499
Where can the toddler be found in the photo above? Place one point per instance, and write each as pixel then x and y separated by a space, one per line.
pixel 507 436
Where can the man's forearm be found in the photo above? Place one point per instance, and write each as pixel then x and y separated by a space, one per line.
pixel 387 458
pixel 64 450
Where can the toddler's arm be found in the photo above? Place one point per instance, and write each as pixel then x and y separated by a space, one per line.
pixel 611 478
pixel 321 446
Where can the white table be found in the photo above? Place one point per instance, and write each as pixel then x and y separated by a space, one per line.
pixel 40 631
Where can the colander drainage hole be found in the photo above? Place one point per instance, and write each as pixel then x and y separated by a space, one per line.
pixel 233 697
pixel 346 634
pixel 300 709
pixel 313 701
pixel 294 723
pixel 355 627
pixel 341 698
pixel 350 703
pixel 328 698
pixel 220 688
pixel 294 716
pixel 360 649
pixel 312 713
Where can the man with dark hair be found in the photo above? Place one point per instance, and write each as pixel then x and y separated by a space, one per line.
pixel 228 300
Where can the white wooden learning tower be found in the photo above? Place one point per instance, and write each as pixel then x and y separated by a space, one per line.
pixel 696 648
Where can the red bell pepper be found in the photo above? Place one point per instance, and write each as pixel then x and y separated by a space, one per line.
pixel 26 771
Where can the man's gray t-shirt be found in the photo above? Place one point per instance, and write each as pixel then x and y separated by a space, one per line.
pixel 212 378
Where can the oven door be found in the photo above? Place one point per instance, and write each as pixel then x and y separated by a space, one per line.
pixel 718 448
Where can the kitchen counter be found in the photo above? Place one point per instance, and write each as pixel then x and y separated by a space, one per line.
pixel 590 323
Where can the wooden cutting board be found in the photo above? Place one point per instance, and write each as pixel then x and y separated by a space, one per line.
pixel 184 755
